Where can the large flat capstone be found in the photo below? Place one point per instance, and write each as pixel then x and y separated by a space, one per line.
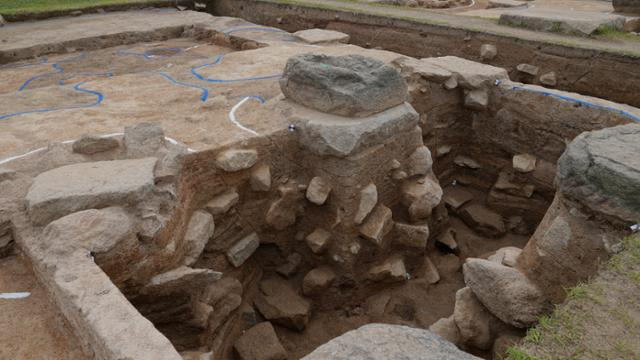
pixel 351 85
pixel 67 189
pixel 383 341
pixel 569 22
pixel 601 169
pixel 327 134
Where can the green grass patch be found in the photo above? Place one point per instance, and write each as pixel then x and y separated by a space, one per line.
pixel 611 33
pixel 15 7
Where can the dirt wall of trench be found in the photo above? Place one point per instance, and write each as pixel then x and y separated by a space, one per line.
pixel 588 72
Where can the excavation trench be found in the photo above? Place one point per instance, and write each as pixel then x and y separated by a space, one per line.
pixel 274 226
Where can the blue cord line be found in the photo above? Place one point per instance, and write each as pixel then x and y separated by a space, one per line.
pixel 58 69
pixel 581 102
pixel 205 92
pixel 217 61
pixel 99 99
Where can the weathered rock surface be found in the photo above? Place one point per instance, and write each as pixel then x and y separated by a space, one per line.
pixel 378 224
pixel 291 267
pixel 574 22
pixel 483 220
pixel 429 272
pixel 317 280
pixel 415 236
pixel 222 203
pixel 318 240
pixel 75 187
pixel 179 281
pixel 548 79
pixel 601 170
pixel 368 200
pixel 392 269
pixel 505 291
pixel 199 231
pixel 420 162
pixel 260 343
pixel 351 85
pixel 447 329
pixel 473 320
pixel 281 305
pixel 261 178
pixel 488 52
pixel 524 163
pixel 477 99
pixel 318 190
pixel 528 69
pixel 327 134
pixel 243 249
pixel 455 197
pixel 470 74
pixel 91 144
pixel 420 195
pixel 448 239
pixel 235 160
pixel 142 140
pixel 283 212
pixel 506 256
pixel 321 36
pixel 383 342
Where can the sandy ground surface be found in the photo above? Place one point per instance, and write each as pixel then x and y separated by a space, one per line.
pixel 190 88
pixel 31 328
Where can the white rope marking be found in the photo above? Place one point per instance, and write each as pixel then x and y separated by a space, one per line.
pixel 232 116
pixel 15 295
pixel 9 159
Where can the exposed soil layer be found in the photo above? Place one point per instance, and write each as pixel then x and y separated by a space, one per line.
pixel 31 328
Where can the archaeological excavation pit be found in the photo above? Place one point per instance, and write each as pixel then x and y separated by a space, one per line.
pixel 195 187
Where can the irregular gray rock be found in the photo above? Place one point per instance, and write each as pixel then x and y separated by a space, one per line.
pixel 283 212
pixel 421 195
pixel 384 342
pixel 91 144
pixel 524 163
pixel 179 281
pixel 280 304
pixel 505 291
pixel 477 99
pixel 318 240
pixel 378 224
pixel 260 343
pixel 327 134
pixel 419 162
pixel 548 79
pixel 455 197
pixel 506 256
pixel 317 280
pixel 488 52
pixel 321 36
pixel 415 236
pixel 447 328
pixel 368 200
pixel 528 69
pixel 199 231
pixel 261 178
pixel 67 189
pixel 429 272
pixel 235 160
pixel 142 140
pixel 318 190
pixel 601 169
pixel 222 203
pixel 470 74
pixel 483 220
pixel 392 269
pixel 243 249
pixel 473 320
pixel 351 85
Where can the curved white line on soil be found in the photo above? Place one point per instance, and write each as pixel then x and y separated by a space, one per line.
pixel 9 159
pixel 232 116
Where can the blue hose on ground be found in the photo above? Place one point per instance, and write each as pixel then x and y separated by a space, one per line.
pixel 205 91
pixel 217 61
pixel 99 99
pixel 581 102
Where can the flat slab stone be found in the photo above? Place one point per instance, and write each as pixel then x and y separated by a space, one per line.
pixel 327 134
pixel 601 169
pixel 67 189
pixel 569 22
pixel 383 341
pixel 320 36
pixel 469 74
